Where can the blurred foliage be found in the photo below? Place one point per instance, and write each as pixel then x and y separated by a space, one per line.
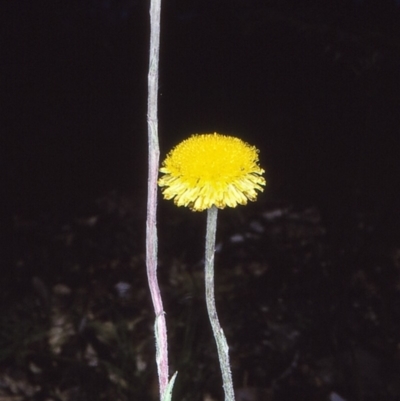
pixel 301 317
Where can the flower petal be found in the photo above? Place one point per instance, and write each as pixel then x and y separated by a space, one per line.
pixel 211 169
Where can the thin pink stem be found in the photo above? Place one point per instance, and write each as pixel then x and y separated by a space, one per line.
pixel 160 328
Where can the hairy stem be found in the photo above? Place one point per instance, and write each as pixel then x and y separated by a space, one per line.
pixel 160 327
pixel 222 345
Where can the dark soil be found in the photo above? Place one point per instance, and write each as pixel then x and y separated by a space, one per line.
pixel 305 318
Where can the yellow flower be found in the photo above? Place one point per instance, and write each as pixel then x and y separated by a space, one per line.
pixel 211 169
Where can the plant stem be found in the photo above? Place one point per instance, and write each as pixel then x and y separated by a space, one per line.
pixel 222 345
pixel 160 327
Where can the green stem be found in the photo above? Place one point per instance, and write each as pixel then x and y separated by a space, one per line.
pixel 222 345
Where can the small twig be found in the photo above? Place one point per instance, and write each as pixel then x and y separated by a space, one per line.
pixel 222 345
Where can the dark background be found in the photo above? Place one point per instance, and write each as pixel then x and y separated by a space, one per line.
pixel 314 85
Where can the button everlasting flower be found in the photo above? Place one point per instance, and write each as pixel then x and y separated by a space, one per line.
pixel 211 170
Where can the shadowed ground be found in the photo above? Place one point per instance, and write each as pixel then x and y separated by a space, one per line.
pixel 303 318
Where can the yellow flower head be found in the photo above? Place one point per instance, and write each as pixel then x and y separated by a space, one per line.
pixel 211 169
